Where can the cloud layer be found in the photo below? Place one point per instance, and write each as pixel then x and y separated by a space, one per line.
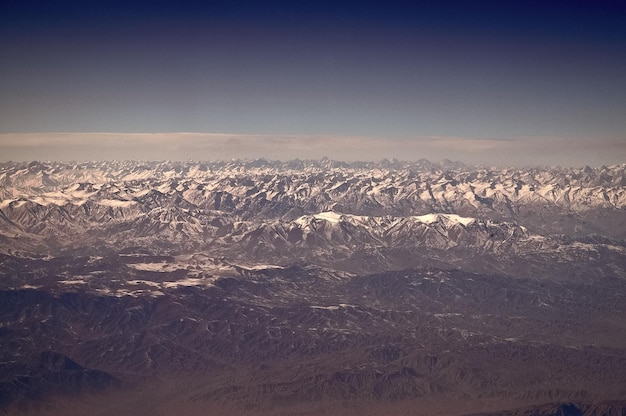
pixel 212 146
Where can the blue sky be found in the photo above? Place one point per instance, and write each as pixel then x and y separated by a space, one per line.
pixel 509 71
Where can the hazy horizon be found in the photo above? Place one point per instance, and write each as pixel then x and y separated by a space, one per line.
pixel 205 146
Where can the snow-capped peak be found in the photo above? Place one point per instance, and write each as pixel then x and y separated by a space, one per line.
pixel 432 218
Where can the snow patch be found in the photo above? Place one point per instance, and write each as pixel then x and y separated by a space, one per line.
pixel 428 218
pixel 187 282
pixel 73 282
pixel 333 307
pixel 30 287
pixel 143 282
pixel 432 218
pixel 329 216
pixel 116 203
pixel 262 267
pixel 6 203
pixel 162 267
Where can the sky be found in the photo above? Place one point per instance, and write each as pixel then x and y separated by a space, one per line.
pixel 490 82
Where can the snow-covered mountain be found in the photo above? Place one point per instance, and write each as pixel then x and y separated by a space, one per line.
pixel 555 200
pixel 354 217
pixel 259 288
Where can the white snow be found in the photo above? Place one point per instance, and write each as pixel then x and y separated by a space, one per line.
pixel 154 267
pixel 116 203
pixel 329 216
pixel 462 220
pixel 6 203
pixel 262 267
pixel 143 282
pixel 432 218
pixel 187 282
pixel 427 219
pixel 333 307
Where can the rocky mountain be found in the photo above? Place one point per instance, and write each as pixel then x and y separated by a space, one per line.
pixel 553 200
pixel 311 288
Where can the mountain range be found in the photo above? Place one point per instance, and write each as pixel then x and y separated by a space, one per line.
pixel 311 288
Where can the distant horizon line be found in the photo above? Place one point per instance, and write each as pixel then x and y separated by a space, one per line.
pixel 442 162
pixel 495 151
pixel 305 135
